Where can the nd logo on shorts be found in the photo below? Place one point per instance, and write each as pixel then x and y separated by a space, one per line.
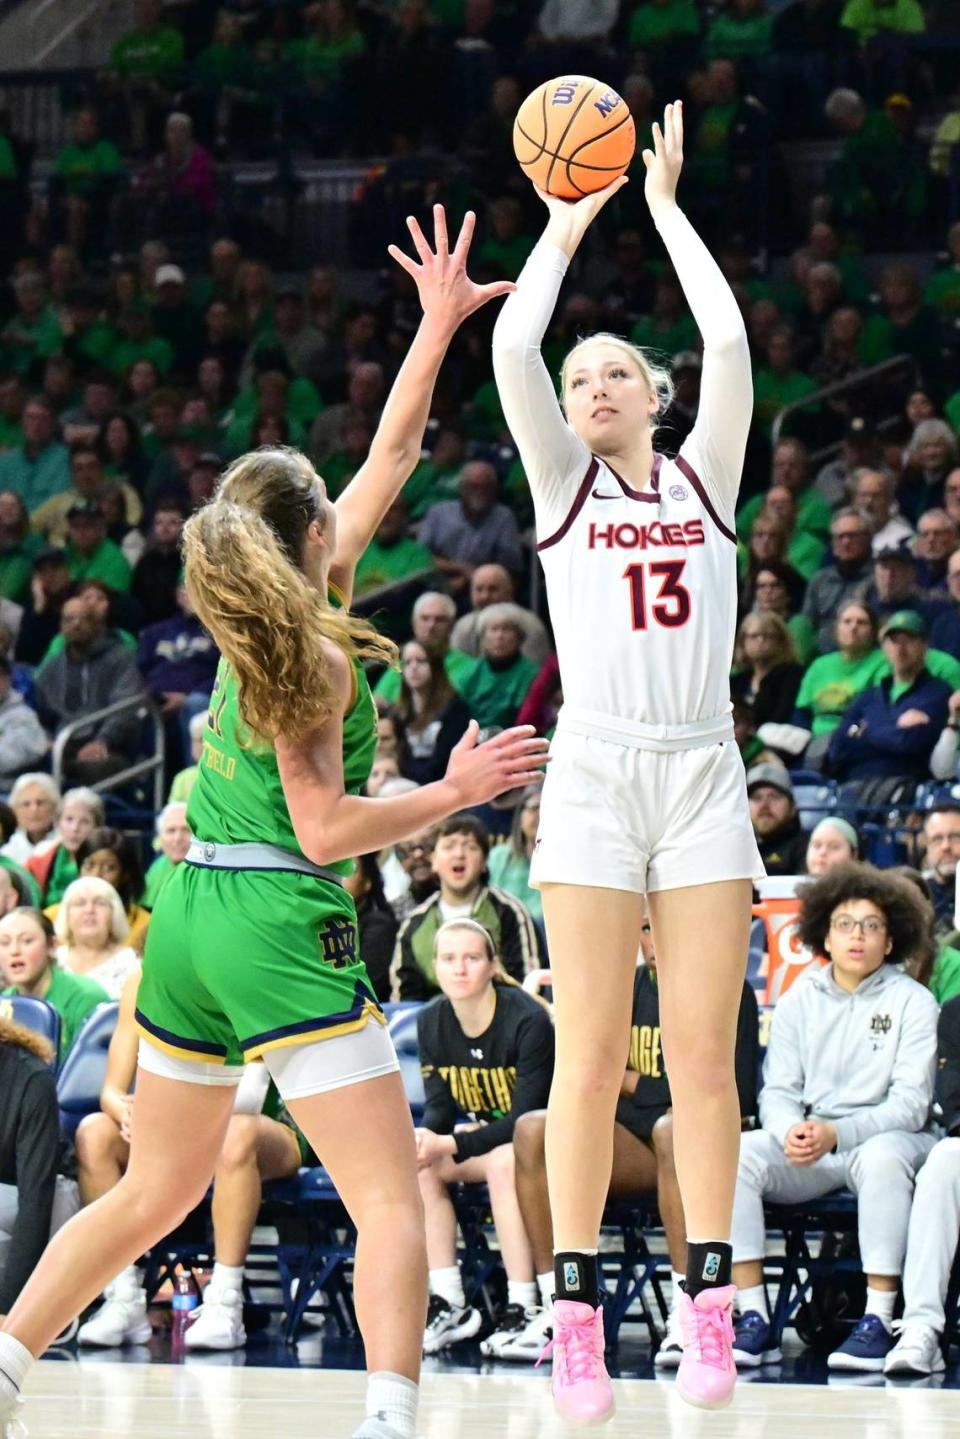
pixel 339 944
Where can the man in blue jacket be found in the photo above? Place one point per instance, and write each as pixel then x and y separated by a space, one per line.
pixel 888 732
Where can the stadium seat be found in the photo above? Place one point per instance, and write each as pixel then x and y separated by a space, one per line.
pixel 81 1079
pixel 35 1014
pixel 317 1242
pixel 756 954
pixel 403 1029
pixel 816 797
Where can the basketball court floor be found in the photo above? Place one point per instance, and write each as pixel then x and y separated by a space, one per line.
pixel 231 1397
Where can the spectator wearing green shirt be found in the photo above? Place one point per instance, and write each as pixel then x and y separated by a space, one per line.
pixel 18 548
pixel 804 551
pixel 433 617
pixel 779 383
pixel 146 65
pixel 791 469
pixel 86 176
pixel 173 841
pixel 942 290
pixel 498 684
pixel 869 18
pixel 657 23
pixel 508 863
pixel 319 60
pixel 33 334
pixel 904 325
pixel 40 467
pixel 13 397
pixel 744 30
pixel 506 248
pixel 391 555
pixel 863 180
pixel 28 964
pixel 437 476
pixel 90 555
pixel 834 679
pixel 138 342
pixel 669 327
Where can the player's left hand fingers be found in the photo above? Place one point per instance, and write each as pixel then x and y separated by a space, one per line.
pixel 440 241
pixel 483 293
pixel 419 239
pixel 658 141
pixel 404 261
pixel 464 238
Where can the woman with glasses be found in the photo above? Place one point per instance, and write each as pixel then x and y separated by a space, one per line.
pixel 765 669
pixel 777 589
pixel 94 933
pixel 848 1084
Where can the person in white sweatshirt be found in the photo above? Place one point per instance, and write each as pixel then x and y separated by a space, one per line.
pixel 846 1100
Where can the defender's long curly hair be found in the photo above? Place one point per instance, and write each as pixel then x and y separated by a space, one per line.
pixel 900 902
pixel 243 557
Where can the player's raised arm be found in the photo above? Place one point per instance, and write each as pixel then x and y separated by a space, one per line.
pixel 553 456
pixel 448 296
pixel 726 387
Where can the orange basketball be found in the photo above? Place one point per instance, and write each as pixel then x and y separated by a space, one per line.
pixel 573 135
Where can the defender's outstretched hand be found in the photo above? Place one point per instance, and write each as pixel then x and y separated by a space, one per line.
pixel 446 291
pixel 513 758
pixel 665 161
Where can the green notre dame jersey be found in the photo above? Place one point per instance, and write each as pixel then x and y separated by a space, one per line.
pixel 241 962
pixel 238 796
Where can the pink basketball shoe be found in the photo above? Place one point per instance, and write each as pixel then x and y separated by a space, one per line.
pixel 582 1392
pixel 707 1373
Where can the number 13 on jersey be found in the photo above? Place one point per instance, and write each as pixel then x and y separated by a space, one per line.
pixel 668 604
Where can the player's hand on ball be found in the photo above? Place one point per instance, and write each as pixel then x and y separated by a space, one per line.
pixel 570 219
pixel 479 772
pixel 446 290
pixel 665 161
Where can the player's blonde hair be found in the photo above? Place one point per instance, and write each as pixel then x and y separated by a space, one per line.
pixel 657 377
pixel 243 561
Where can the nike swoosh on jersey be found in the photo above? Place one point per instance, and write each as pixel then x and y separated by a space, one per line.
pixel 598 496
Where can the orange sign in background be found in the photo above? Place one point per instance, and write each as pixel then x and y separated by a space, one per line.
pixel 787 958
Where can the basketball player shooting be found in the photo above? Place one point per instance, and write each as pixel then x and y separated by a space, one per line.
pixel 646 790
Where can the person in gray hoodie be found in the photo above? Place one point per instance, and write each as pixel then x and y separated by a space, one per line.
pixel 23 742
pixel 93 670
pixel 846 1100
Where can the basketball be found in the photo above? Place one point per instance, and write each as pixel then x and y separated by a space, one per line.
pixel 573 135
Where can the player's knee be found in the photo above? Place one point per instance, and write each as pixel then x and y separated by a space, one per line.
pixel 240 1145
pixel 941 1170
pixel 430 1183
pixel 597 1076
pixel 529 1140
pixel 701 1066
pixel 501 1169
pixel 97 1140
pixel 663 1141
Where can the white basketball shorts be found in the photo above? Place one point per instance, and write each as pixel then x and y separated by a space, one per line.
pixel 621 816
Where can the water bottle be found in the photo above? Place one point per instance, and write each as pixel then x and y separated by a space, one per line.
pixel 185 1301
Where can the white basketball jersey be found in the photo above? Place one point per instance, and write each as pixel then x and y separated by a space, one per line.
pixel 642 589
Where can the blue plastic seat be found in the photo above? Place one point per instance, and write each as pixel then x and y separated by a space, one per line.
pixel 35 1014
pixel 403 1029
pixel 82 1076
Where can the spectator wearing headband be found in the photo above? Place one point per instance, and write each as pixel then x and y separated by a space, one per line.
pixel 833 841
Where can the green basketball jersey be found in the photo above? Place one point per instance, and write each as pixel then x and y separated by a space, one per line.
pixel 238 796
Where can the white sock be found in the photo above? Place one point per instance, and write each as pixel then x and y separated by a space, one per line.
pixel 15 1362
pixel 880 1302
pixel 393 1399
pixel 227 1276
pixel 754 1301
pixel 522 1292
pixel 676 1280
pixel 448 1283
pixel 546 1285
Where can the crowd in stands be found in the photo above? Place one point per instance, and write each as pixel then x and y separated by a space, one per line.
pixel 129 378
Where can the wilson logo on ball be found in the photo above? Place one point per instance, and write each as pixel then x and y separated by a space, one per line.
pixel 573 135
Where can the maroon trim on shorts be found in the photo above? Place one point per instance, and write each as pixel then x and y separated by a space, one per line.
pixel 690 473
pixel 575 508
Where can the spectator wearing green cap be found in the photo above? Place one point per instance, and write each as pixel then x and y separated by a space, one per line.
pixel 885 739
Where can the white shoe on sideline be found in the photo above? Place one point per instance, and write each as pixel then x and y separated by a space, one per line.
pixel 917 1351
pixel 121 1318
pixel 219 1320
pixel 521 1334
pixel 670 1353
